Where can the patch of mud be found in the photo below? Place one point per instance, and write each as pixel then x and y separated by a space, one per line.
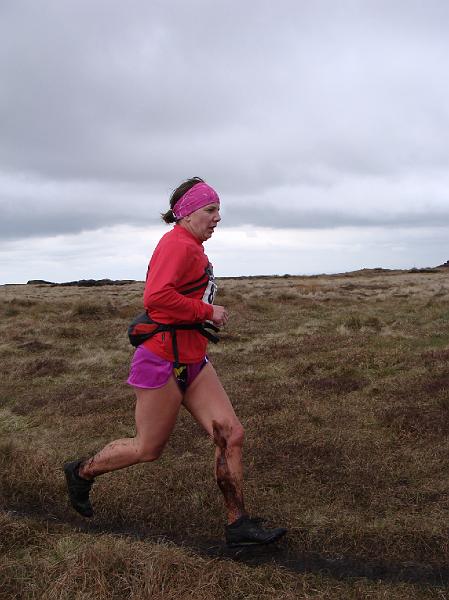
pixel 34 346
pixel 47 366
pixel 421 420
pixel 431 357
pixel 338 384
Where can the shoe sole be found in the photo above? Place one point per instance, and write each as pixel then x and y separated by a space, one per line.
pixel 271 540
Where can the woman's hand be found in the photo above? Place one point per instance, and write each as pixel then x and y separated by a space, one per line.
pixel 220 316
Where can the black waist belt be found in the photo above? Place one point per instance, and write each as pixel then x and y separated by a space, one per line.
pixel 143 328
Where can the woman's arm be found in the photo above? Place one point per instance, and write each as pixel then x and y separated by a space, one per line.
pixel 168 267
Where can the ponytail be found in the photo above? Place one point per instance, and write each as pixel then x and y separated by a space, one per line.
pixel 168 217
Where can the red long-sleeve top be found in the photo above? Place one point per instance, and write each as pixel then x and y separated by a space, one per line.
pixel 180 288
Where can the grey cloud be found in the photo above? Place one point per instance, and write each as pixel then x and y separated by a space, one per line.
pixel 36 207
pixel 95 92
pixel 23 223
pixel 291 218
pixel 130 99
pixel 43 210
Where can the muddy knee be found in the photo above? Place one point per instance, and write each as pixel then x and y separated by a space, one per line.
pixel 237 436
pixel 227 436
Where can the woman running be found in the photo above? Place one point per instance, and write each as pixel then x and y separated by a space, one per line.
pixel 171 367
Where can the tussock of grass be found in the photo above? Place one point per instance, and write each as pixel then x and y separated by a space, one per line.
pixel 49 366
pixel 90 310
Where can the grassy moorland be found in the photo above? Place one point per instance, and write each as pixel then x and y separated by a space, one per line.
pixel 342 383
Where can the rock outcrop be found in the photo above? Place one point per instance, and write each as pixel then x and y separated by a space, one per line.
pixel 83 282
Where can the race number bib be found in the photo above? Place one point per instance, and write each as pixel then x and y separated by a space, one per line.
pixel 211 289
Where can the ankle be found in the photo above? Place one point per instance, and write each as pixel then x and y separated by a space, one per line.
pixel 236 520
pixel 81 473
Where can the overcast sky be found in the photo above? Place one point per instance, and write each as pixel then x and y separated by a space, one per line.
pixel 323 125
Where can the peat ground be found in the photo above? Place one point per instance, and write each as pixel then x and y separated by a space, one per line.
pixel 342 384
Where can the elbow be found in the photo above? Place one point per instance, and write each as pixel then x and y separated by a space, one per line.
pixel 157 300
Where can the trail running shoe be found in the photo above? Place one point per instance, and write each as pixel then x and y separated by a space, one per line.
pixel 78 489
pixel 247 531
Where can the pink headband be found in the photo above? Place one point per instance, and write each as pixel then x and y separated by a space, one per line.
pixel 198 196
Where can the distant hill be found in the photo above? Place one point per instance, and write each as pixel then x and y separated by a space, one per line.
pixel 102 282
pixel 83 282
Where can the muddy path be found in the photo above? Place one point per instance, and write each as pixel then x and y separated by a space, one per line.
pixel 283 554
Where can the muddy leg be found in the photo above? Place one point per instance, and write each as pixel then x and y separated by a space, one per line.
pixel 229 482
pixel 116 455
pixel 155 414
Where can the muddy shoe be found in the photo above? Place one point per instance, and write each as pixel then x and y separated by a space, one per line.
pixel 249 532
pixel 78 489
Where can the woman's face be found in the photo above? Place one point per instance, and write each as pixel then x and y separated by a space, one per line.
pixel 203 221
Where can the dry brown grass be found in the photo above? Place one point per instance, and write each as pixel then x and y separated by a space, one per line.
pixel 342 383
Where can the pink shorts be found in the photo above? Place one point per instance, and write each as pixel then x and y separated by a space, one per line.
pixel 151 371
